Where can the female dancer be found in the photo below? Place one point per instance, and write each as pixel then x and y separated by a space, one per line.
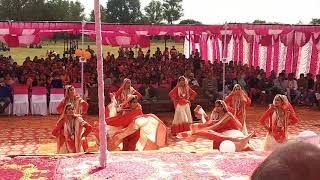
pixel 120 98
pixel 181 96
pixel 276 120
pixel 221 125
pixel 72 97
pixel 71 132
pixel 134 130
pixel 238 100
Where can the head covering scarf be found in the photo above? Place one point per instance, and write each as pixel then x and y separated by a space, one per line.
pixel 184 91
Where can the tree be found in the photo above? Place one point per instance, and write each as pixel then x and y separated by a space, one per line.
pixel 12 9
pixel 76 11
pixel 29 13
pixel 123 11
pixel 315 21
pixel 57 10
pixel 153 13
pixel 172 10
pixel 41 10
pixel 257 21
pixel 103 15
pixel 189 21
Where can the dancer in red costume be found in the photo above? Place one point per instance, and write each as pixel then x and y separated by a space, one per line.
pixel 276 120
pixel 119 99
pixel 133 130
pixel 71 132
pixel 181 96
pixel 221 125
pixel 72 97
pixel 238 100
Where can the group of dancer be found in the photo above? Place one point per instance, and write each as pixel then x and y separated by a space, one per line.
pixel 128 129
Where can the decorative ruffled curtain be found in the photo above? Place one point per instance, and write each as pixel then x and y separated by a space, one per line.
pixel 315 53
pixel 235 48
pixel 222 38
pixel 276 53
pixel 240 50
pixel 300 40
pixel 256 54
pixel 204 47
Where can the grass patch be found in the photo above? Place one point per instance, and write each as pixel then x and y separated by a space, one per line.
pixel 19 54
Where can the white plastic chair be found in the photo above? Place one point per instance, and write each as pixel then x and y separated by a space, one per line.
pixel 20 101
pixel 56 96
pixel 39 101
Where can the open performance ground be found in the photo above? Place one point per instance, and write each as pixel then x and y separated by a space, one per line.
pixel 31 135
pixel 27 151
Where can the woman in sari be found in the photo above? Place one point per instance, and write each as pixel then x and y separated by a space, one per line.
pixel 134 130
pixel 276 120
pixel 72 97
pixel 120 98
pixel 220 126
pixel 181 96
pixel 71 132
pixel 238 100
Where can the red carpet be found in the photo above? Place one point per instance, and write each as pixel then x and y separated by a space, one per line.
pixel 170 165
pixel 23 167
pixel 133 165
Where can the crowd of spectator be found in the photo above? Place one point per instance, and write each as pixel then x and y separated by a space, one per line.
pixel 148 71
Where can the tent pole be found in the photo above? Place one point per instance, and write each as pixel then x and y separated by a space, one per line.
pixel 102 122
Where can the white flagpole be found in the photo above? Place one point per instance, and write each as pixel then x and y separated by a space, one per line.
pixel 102 122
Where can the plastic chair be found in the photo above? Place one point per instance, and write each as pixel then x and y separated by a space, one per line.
pixel 20 100
pixel 56 96
pixel 39 101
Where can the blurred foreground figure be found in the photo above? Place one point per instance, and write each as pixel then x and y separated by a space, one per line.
pixel 292 161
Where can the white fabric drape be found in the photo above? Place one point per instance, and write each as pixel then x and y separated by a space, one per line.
pixel 304 59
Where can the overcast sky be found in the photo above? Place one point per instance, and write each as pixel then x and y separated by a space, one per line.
pixel 242 11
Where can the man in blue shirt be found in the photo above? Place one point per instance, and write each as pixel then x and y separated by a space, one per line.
pixel 5 94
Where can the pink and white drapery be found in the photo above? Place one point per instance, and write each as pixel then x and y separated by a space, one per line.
pixel 272 50
pixel 271 47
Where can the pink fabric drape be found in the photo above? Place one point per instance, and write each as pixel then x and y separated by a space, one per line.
pixel 251 54
pixel 236 49
pixel 297 51
pixel 276 55
pixel 269 59
pixel 193 44
pixel 289 58
pixel 217 49
pixel 204 48
pixel 256 52
pixel 241 50
pixel 314 54
pixel 214 54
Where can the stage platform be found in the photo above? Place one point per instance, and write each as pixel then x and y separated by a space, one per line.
pixel 134 165
pixel 31 136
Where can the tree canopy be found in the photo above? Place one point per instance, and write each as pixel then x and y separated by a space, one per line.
pixel 41 10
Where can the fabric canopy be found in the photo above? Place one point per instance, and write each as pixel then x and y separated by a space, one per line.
pixel 293 48
pixel 23 33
